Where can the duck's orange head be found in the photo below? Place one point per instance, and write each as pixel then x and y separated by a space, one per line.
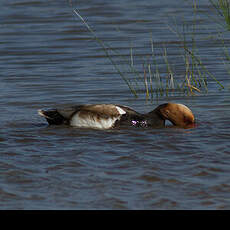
pixel 178 114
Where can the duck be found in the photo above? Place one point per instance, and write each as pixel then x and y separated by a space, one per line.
pixel 109 116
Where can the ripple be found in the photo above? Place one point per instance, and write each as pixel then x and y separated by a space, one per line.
pixel 49 59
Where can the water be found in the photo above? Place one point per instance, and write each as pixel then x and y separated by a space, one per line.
pixel 48 58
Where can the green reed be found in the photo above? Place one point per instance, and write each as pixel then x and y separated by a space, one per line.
pixel 223 9
pixel 150 79
pixel 105 49
pixel 195 69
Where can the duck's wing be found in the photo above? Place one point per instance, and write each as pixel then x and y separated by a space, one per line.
pixel 102 116
pixel 108 109
pixel 128 110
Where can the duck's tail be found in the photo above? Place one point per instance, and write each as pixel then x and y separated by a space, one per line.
pixel 52 116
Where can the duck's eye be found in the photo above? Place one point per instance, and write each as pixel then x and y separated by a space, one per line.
pixel 166 112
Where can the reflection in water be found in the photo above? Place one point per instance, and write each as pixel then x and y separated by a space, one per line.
pixel 48 59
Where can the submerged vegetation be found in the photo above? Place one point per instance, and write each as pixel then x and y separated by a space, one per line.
pixel 150 79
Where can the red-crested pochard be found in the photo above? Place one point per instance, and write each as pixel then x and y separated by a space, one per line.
pixel 106 116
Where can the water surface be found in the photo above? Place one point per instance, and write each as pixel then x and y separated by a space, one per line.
pixel 49 58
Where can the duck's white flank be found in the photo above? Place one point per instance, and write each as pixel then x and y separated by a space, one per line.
pixel 95 121
pixel 40 112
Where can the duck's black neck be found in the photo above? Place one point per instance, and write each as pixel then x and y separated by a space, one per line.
pixel 155 119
